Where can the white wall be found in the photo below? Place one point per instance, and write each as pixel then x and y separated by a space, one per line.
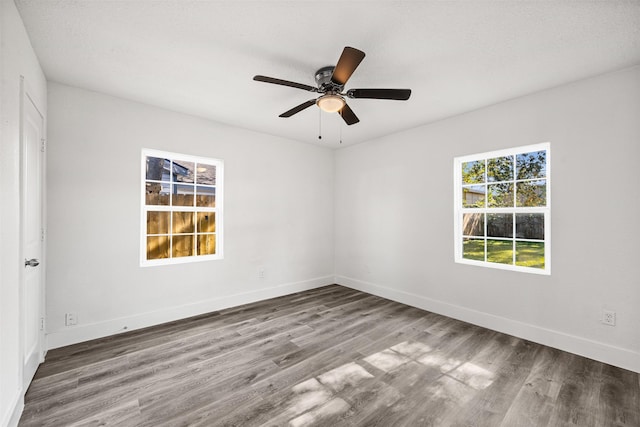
pixel 394 218
pixel 17 59
pixel 278 216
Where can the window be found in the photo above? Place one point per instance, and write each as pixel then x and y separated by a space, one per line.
pixel 181 208
pixel 502 209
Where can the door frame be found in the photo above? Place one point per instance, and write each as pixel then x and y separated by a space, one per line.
pixel 26 95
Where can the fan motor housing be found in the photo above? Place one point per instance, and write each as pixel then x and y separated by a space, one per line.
pixel 323 80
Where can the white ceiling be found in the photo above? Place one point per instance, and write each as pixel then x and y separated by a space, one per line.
pixel 199 57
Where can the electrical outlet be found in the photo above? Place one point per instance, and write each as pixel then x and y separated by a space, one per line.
pixel 71 319
pixel 609 317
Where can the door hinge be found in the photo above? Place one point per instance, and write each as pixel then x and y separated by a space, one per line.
pixel 42 323
pixel 42 234
pixel 43 144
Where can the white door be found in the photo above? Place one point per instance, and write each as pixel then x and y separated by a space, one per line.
pixel 32 292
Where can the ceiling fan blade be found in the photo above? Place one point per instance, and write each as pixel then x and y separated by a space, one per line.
pixel 285 83
pixel 348 115
pixel 397 94
pixel 299 108
pixel 348 62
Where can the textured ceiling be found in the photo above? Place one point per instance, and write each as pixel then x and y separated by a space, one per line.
pixel 199 57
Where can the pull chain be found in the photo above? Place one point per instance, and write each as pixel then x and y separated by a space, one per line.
pixel 319 123
pixel 341 125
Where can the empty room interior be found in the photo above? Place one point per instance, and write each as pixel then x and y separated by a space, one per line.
pixel 442 231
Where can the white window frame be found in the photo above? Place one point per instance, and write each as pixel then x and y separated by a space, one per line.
pixel 218 209
pixel 459 210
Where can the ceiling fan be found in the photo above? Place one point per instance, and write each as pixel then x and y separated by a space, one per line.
pixel 330 83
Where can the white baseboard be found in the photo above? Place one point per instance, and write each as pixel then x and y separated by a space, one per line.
pixel 14 411
pixel 81 333
pixel 595 350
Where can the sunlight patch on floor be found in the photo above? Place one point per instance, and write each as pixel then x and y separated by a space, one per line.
pixel 316 399
pixel 308 394
pixel 473 375
pixel 334 407
pixel 387 360
pixel 439 361
pixel 411 349
pixel 349 374
pixel 449 393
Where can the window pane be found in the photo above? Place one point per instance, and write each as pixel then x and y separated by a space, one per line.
pixel 500 169
pixel 157 169
pixel 473 249
pixel 500 195
pixel 157 222
pixel 530 254
pixel 156 194
pixel 531 193
pixel 473 172
pixel 530 226
pixel 206 244
pixel 531 165
pixel 206 196
pixel 180 205
pixel 500 225
pixel 473 224
pixel 206 174
pixel 500 251
pixel 183 171
pixel 473 196
pixel 182 195
pixel 503 209
pixel 157 247
pixel 183 222
pixel 183 246
pixel 206 222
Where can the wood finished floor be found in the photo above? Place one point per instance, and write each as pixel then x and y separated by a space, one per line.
pixel 328 357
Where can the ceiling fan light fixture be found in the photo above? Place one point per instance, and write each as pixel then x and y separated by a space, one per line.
pixel 330 103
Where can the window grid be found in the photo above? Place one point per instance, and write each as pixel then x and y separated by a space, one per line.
pixel 539 184
pixel 204 198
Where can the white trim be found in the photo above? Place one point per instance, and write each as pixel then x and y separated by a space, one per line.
pixel 81 333
pixel 612 355
pixel 459 211
pixel 14 411
pixel 37 356
pixel 218 210
pixel 505 152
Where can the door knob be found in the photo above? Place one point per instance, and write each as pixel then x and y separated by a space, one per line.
pixel 31 262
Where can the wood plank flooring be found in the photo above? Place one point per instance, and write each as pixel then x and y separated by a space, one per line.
pixel 331 356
